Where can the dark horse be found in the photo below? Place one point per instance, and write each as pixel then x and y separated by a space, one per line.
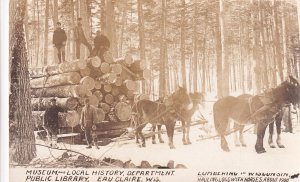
pixel 259 109
pixel 185 116
pixel 159 113
pixel 239 134
pixel 239 139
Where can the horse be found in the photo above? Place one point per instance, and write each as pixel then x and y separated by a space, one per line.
pixel 259 109
pixel 239 139
pixel 159 113
pixel 185 116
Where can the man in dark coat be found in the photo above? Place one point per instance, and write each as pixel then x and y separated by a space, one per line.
pixel 80 38
pixel 87 122
pixel 51 121
pixel 101 44
pixel 59 41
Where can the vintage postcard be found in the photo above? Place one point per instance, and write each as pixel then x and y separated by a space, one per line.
pixel 153 90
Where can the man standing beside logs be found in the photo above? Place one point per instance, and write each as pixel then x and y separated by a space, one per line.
pixel 80 38
pixel 87 121
pixel 51 122
pixel 101 44
pixel 59 41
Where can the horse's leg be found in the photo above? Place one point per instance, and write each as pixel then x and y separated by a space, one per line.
pixel 271 131
pixel 221 120
pixel 136 121
pixel 137 137
pixel 140 128
pixel 278 119
pixel 170 131
pixel 153 136
pixel 224 144
pixel 241 137
pixel 188 132
pixel 183 133
pixel 236 137
pixel 159 134
pixel 261 129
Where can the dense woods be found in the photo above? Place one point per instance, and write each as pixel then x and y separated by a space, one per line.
pixel 221 47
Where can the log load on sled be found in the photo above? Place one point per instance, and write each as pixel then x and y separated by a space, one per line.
pixel 111 85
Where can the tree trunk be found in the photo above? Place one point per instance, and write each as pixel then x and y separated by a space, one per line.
pixel 219 51
pixel 46 33
pixel 22 148
pixel 284 42
pixel 163 47
pixel 38 36
pixel 204 77
pixel 55 20
pixel 262 35
pixel 195 53
pixel 182 43
pixel 110 29
pixel 278 56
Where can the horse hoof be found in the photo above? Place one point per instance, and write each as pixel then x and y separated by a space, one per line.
pixel 161 141
pixel 153 142
pixel 184 143
pixel 237 145
pixel 272 146
pixel 281 146
pixel 226 149
pixel 143 145
pixel 172 147
pixel 189 143
pixel 260 151
pixel 244 145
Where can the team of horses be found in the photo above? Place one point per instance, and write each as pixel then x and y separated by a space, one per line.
pixel 261 109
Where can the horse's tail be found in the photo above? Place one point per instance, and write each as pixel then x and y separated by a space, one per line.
pixel 221 112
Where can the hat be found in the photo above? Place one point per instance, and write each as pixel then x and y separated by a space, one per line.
pixel 53 99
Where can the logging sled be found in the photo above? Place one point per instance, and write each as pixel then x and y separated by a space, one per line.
pixel 111 85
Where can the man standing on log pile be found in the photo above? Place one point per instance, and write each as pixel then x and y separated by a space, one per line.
pixel 101 44
pixel 59 41
pixel 80 38
pixel 51 122
pixel 87 122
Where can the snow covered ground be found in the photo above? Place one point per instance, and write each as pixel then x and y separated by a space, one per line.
pixel 203 154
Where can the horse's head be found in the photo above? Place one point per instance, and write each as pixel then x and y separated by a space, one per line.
pixel 197 97
pixel 181 99
pixel 289 91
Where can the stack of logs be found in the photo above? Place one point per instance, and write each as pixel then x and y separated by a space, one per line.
pixel 109 84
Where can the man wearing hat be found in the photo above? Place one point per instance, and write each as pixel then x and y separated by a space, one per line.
pixel 59 41
pixel 87 122
pixel 80 38
pixel 51 121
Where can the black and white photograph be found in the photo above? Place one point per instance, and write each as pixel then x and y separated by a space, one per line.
pixel 153 90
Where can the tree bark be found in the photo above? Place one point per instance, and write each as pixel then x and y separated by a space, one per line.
pixel 22 148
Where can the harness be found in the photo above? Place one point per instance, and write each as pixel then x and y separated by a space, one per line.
pixel 268 104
